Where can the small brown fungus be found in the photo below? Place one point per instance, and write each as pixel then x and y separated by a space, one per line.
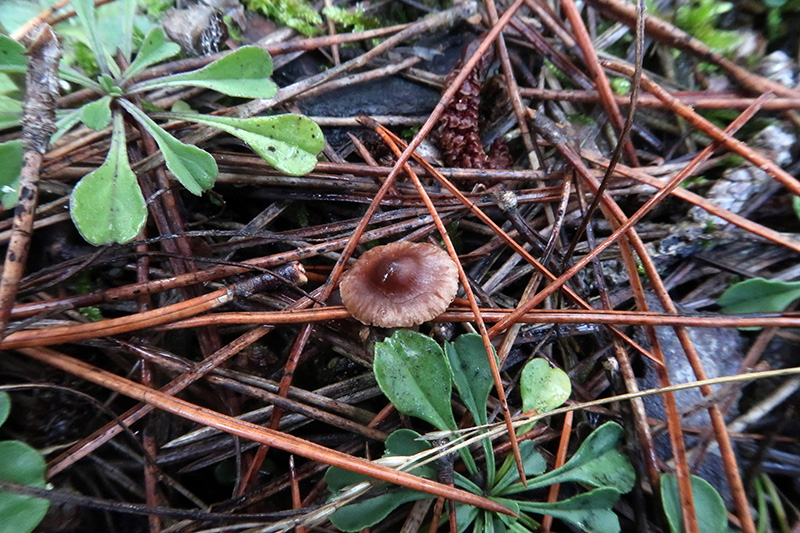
pixel 400 284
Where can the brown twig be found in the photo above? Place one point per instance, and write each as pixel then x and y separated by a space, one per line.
pixel 38 124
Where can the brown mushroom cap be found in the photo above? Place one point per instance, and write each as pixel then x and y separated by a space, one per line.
pixel 399 285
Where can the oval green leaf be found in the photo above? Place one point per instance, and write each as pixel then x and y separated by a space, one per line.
pixel 24 465
pixel 759 295
pixel 712 517
pixel 244 73
pixel 411 371
pixel 289 143
pixel 543 388
pixel 107 205
pixel 193 167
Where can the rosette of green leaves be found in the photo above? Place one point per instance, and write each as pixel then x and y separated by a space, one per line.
pixel 107 205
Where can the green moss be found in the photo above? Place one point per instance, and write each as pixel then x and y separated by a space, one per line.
pixel 297 14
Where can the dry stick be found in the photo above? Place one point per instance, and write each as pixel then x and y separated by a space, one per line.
pixel 711 130
pixel 561 456
pixel 406 155
pixel 154 317
pixel 699 201
pixel 335 274
pixel 512 89
pixel 696 100
pixel 35 21
pixel 601 82
pixel 99 437
pixel 624 136
pixel 493 364
pixel 668 34
pixel 536 316
pixel 617 233
pixel 505 237
pixel 38 124
pixel 729 459
pixel 254 432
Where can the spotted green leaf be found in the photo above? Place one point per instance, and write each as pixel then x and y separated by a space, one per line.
pixel 543 387
pixel 289 143
pixel 411 371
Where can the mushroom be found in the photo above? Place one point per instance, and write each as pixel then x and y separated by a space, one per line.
pixel 400 284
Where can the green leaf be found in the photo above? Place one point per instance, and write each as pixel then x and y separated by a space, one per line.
pixel 24 465
pixel 465 516
pixel 128 16
pixel 590 512
pixel 370 511
pixel 85 11
pixel 542 387
pixel 97 115
pixel 66 123
pixel 244 73
pixel 598 463
pixel 289 143
pixel 10 112
pixel 73 76
pixel 193 167
pixel 373 509
pixel 759 295
pixel 796 205
pixel 5 407
pixel 472 376
pixel 107 205
pixel 471 373
pixel 532 463
pixel 11 156
pixel 154 49
pixel 712 517
pixel 12 56
pixel 400 443
pixel 411 371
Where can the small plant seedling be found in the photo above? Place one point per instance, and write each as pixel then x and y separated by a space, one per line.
pixel 417 376
pixel 107 205
pixel 23 465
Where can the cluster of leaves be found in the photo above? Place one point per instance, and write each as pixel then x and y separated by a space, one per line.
pixel 417 376
pixel 107 205
pixel 22 465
